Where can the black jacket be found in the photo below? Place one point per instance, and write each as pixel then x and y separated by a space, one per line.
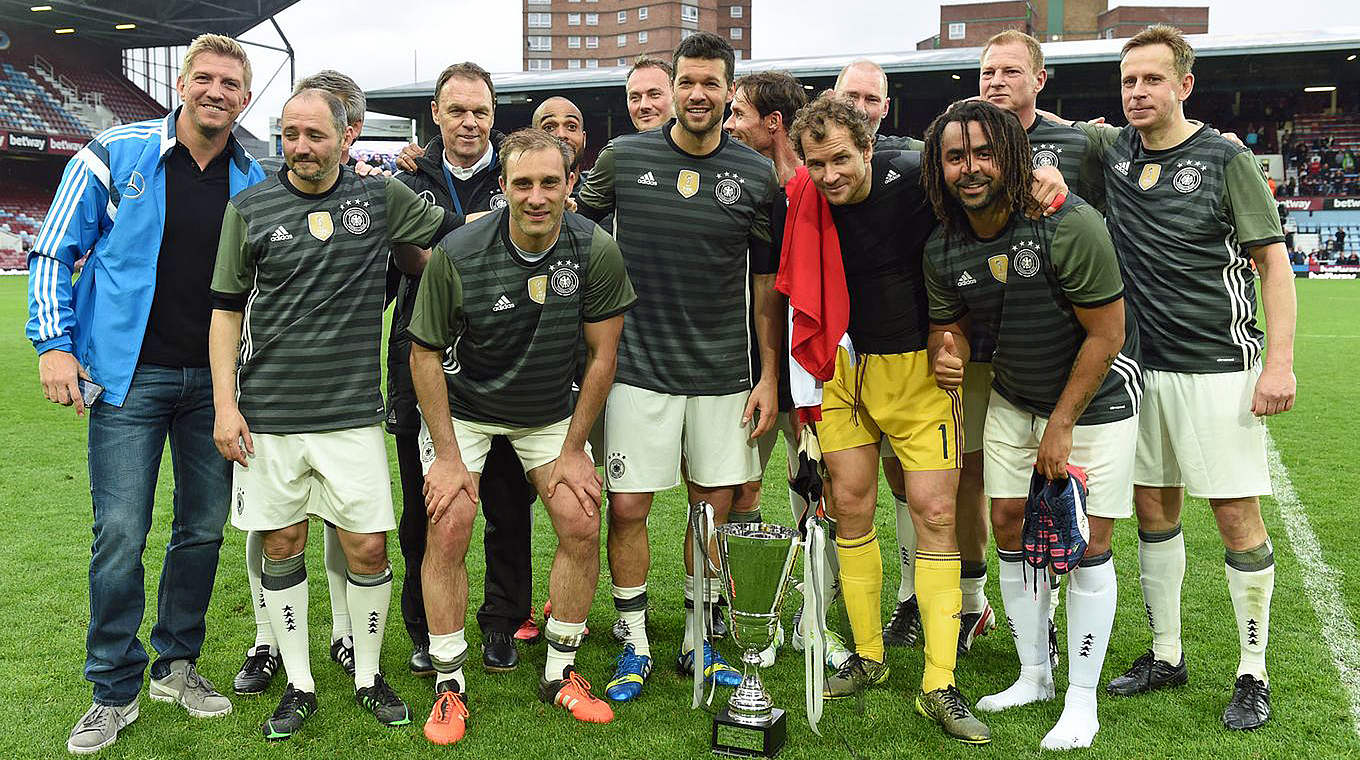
pixel 480 192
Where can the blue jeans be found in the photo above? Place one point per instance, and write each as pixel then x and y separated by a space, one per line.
pixel 125 456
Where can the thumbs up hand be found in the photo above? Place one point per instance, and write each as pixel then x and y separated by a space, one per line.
pixel 949 363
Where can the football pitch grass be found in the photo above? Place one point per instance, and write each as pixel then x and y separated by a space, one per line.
pixel 45 514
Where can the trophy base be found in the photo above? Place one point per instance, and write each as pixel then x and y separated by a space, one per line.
pixel 742 740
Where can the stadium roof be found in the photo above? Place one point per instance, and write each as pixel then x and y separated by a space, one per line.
pixel 158 22
pixel 913 61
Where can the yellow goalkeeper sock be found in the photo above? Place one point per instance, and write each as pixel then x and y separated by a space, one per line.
pixel 862 588
pixel 941 600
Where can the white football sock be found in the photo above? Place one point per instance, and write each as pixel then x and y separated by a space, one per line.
pixel 1161 570
pixel 906 549
pixel 448 651
pixel 973 583
pixel 1026 610
pixel 264 632
pixel 336 567
pixel 1091 597
pixel 370 596
pixel 563 641
pixel 631 603
pixel 285 598
pixel 1251 581
pixel 1078 724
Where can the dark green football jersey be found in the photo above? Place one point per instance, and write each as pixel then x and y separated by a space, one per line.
pixel 685 225
pixel 898 142
pixel 1075 153
pixel 313 271
pixel 1022 285
pixel 510 327
pixel 1183 220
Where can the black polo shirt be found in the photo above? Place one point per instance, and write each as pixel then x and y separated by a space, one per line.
pixel 177 329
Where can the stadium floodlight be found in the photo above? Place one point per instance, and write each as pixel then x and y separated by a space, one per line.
pixel 1351 57
pixel 1321 88
pixel 39 8
pixel 65 30
pixel 122 27
pixel 955 76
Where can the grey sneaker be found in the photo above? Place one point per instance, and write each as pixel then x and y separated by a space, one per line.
pixel 858 673
pixel 99 727
pixel 948 708
pixel 185 687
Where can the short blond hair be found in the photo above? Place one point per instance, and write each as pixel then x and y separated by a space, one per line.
pixel 1017 37
pixel 1182 55
pixel 218 45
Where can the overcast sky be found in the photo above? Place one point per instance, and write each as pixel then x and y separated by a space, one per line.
pixel 401 41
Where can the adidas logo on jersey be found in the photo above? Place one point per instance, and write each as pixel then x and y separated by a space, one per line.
pixel 1122 167
pixel 280 234
pixel 503 303
pixel 647 179
pixel 966 279
pixel 892 176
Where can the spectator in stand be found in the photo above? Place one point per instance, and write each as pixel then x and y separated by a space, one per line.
pixel 1340 240
pixel 25 241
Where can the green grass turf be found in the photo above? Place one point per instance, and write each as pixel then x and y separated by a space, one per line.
pixel 45 514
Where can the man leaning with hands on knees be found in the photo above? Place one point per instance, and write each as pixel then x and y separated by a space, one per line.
pixel 299 289
pixel 145 202
pixel 514 294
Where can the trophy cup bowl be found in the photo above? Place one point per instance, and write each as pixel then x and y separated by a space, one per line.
pixel 756 563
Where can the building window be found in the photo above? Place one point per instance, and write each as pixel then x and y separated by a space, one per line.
pixel 1109 33
pixel 540 64
pixel 540 43
pixel 573 19
pixel 592 42
pixel 642 13
pixel 736 32
pixel 592 64
pixel 574 42
pixel 540 20
pixel 623 17
pixel 540 2
pixel 736 55
pixel 573 63
pixel 958 30
pixel 687 33
pixel 592 19
pixel 736 11
pixel 642 38
pixel 622 40
pixel 621 62
pixel 689 13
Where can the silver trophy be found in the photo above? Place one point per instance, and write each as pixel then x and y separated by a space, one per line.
pixel 756 562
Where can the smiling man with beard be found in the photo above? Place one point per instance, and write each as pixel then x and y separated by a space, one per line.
pixel 294 345
pixel 693 220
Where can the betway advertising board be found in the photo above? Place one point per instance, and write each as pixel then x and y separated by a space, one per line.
pixel 30 142
pixel 1310 203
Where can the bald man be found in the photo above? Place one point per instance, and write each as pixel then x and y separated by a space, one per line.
pixel 563 119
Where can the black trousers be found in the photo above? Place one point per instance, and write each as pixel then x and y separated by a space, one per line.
pixel 507 499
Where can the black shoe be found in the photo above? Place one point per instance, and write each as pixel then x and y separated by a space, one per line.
pixel 421 666
pixel 1148 674
pixel 904 628
pixel 498 652
pixel 1249 707
pixel 384 703
pixel 257 671
pixel 718 628
pixel 342 652
pixel 295 707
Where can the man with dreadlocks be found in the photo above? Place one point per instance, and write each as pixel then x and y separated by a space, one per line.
pixel 1048 292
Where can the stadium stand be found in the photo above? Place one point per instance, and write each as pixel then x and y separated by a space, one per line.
pixel 32 108
pixel 1324 155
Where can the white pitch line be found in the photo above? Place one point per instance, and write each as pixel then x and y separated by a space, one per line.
pixel 1320 582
